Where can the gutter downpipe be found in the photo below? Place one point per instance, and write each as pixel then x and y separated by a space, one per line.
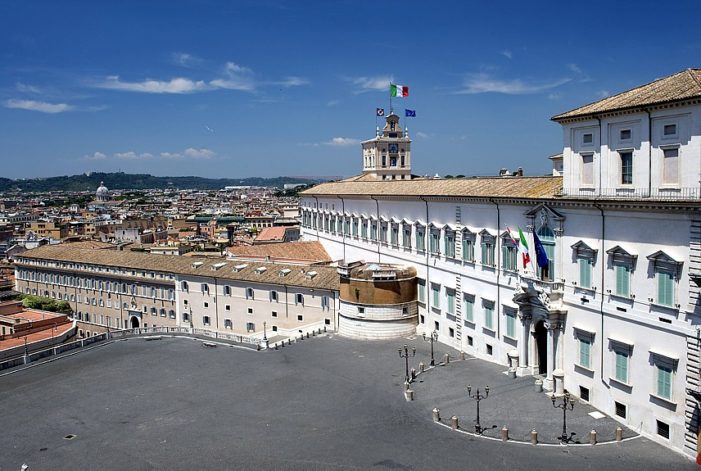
pixel 428 268
pixel 498 267
pixel 601 304
pixel 343 226
pixel 649 153
pixel 379 228
pixel 601 154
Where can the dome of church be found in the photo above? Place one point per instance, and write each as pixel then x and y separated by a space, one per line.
pixel 102 193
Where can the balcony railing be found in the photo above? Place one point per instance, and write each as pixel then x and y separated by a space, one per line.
pixel 549 287
pixel 664 194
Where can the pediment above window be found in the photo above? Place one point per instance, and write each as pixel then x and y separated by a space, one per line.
pixel 619 252
pixel 581 248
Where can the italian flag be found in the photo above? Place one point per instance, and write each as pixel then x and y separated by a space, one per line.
pixel 398 90
pixel 524 248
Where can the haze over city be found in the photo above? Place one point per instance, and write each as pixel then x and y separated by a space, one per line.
pixel 267 88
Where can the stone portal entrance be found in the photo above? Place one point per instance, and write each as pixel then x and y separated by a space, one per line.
pixel 540 335
pixel 134 322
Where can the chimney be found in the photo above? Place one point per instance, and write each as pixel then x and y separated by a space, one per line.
pixel 519 172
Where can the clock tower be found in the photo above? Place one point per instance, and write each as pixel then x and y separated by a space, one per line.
pixel 387 156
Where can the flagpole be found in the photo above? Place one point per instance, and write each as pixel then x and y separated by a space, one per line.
pixel 390 98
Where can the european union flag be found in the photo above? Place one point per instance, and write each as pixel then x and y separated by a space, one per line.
pixel 541 256
pixel 410 113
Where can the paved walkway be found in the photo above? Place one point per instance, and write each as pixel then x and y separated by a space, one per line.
pixel 511 402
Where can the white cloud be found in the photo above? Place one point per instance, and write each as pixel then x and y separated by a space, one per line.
pixel 506 53
pixel 554 96
pixel 333 102
pixel 40 106
pixel 184 59
pixel 95 156
pixel 237 78
pixel 484 83
pixel 423 135
pixel 131 155
pixel 574 68
pixel 176 85
pixel 291 81
pixel 342 141
pixel 199 153
pixel 170 155
pixel 602 94
pixel 376 83
pixel 24 88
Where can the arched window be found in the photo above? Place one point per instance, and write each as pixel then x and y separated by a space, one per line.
pixel 163 312
pixel 154 312
pixel 547 237
pixel 228 324
pixel 171 314
pixel 184 286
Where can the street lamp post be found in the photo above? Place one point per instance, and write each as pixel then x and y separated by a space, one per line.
pixel 567 403
pixel 404 353
pixel 432 337
pixel 478 397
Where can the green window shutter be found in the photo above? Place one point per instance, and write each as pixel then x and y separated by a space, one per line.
pixel 422 292
pixel 584 352
pixel 451 302
pixel 510 326
pixel 665 288
pixel 436 297
pixel 622 280
pixel 488 317
pixel 664 382
pixel 622 367
pixel 469 307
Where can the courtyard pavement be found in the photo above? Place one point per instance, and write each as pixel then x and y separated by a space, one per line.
pixel 512 402
pixel 322 403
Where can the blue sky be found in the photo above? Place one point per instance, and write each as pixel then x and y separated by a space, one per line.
pixel 269 87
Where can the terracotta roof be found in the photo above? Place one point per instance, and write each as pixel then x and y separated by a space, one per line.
pixel 680 86
pixel 310 251
pixel 484 187
pixel 271 233
pixel 325 278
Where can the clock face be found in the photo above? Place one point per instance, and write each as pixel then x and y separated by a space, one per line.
pixel 393 148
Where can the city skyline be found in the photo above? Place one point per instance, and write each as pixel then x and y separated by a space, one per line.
pixel 275 88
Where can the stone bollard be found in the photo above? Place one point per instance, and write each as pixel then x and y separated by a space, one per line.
pixel 512 372
pixel 413 374
pixel 462 355
pixel 504 433
pixel 619 434
pixel 422 367
pixel 592 437
pixel 313 333
pixel 454 423
pixel 534 437
pixel 307 334
pixel 436 414
pixel 446 359
pixel 324 328
pixel 258 347
pixel 538 386
pixel 276 346
pixel 409 395
pixel 289 341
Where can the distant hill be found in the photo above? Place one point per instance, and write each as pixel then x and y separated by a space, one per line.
pixel 126 181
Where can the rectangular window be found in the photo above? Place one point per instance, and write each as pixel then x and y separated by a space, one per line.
pixel 364 230
pixel 299 298
pixel 205 320
pixel 664 381
pixel 450 244
pixel 450 295
pixel 488 308
pixel 421 288
pixel 626 168
pixel 420 242
pixel 434 242
pixel 468 247
pixel 436 295
pixel 488 251
pixel 373 231
pixel 250 327
pixel 585 264
pixel 670 168
pixel 584 352
pixel 665 287
pixel 670 129
pixel 587 169
pixel 622 279
pixel 511 325
pixel 469 307
pixel 587 138
pixel 626 134
pixel 509 256
pixel 621 410
pixel 621 366
pixel 662 429
pixel 395 235
pixel 407 238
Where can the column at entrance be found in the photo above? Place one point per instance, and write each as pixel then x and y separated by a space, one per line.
pixel 548 382
pixel 523 346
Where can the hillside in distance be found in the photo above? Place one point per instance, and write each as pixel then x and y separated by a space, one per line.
pixel 126 181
